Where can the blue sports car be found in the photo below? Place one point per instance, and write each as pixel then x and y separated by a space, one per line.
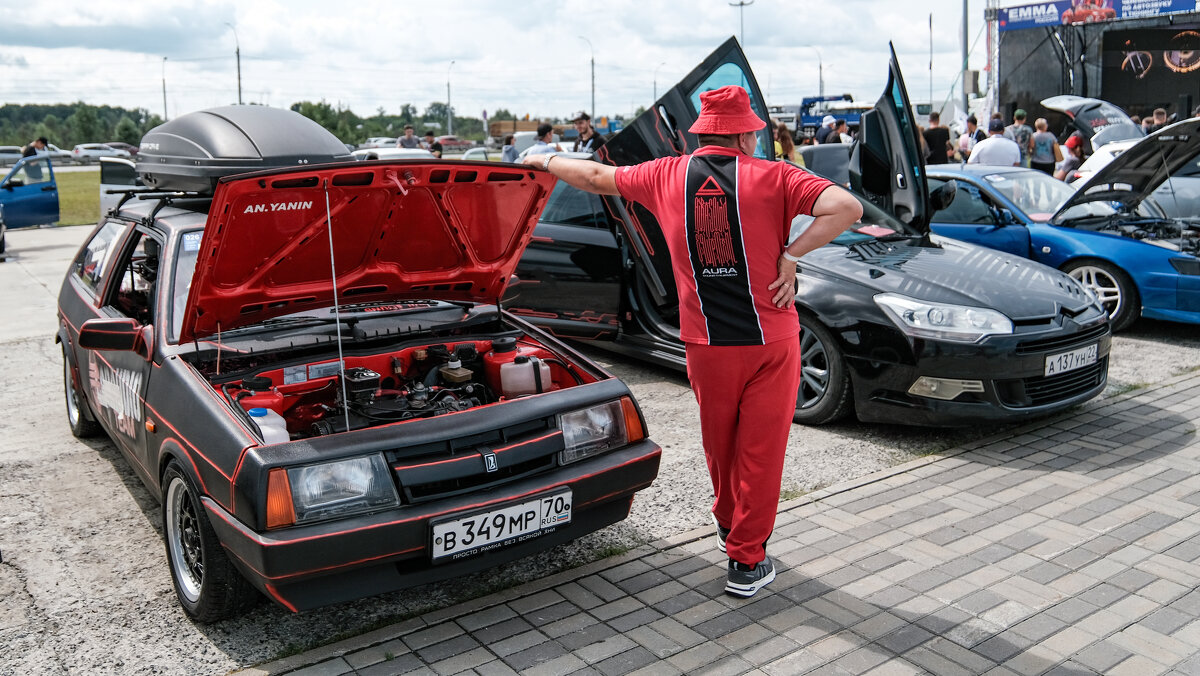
pixel 1109 234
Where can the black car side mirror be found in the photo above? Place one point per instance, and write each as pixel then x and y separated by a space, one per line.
pixel 124 335
pixel 942 197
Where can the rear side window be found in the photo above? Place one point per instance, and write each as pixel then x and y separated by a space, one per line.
pixel 93 263
pixel 571 206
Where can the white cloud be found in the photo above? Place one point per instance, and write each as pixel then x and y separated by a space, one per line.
pixel 527 57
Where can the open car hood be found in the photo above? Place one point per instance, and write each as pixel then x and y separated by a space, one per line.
pixel 438 230
pixel 1131 176
pixel 1099 121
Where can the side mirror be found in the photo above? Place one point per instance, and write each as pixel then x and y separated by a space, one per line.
pixel 124 335
pixel 942 197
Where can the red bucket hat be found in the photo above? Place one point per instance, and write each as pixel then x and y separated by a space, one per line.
pixel 726 111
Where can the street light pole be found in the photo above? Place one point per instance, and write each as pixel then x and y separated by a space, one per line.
pixel 656 79
pixel 238 53
pixel 820 72
pixel 593 51
pixel 449 110
pixel 741 5
pixel 164 78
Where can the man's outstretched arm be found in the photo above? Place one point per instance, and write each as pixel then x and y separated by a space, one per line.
pixel 583 174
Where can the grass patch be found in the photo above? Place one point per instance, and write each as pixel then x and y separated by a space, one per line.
pixel 792 493
pixel 78 197
pixel 1190 369
pixel 1124 388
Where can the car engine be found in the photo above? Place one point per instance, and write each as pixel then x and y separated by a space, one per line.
pixel 320 398
pixel 1174 234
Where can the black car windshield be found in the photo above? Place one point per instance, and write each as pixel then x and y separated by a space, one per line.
pixel 874 224
pixel 1039 195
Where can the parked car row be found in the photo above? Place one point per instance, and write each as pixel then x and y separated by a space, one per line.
pixel 317 450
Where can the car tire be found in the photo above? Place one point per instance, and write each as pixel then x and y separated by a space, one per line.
pixel 208 586
pixel 1112 286
pixel 79 414
pixel 825 393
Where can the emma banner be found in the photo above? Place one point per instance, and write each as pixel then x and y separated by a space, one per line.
pixel 1062 12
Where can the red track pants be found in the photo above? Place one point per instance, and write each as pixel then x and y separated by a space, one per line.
pixel 747 396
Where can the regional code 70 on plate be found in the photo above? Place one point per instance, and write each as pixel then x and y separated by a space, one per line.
pixel 463 535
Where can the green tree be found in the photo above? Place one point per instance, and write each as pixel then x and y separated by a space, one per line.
pixel 127 131
pixel 83 126
pixel 150 122
pixel 503 114
pixel 408 113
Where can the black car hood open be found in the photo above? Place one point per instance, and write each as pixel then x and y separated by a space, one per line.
pixel 959 273
pixel 1140 170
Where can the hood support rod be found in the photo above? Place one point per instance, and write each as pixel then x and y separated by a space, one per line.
pixel 337 311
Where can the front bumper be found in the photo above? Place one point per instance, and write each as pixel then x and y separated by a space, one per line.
pixel 1011 370
pixel 310 566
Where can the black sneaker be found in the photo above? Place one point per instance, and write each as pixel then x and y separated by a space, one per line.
pixel 722 534
pixel 745 581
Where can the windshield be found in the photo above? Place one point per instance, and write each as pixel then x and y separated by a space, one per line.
pixel 875 223
pixel 1040 195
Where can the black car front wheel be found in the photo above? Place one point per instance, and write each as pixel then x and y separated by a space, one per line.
pixel 82 426
pixel 824 394
pixel 208 586
pixel 1112 287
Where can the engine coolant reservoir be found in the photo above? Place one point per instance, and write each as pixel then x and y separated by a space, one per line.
pixel 524 375
pixel 271 424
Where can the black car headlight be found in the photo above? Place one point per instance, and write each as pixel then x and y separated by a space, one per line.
pixel 594 430
pixel 943 321
pixel 329 490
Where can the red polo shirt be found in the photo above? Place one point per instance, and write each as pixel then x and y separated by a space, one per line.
pixel 725 217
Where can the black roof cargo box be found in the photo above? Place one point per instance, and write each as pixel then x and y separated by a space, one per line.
pixel 193 151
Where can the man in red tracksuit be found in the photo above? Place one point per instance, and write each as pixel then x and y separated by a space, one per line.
pixel 726 217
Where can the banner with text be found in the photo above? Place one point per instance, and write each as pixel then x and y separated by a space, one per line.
pixel 1062 12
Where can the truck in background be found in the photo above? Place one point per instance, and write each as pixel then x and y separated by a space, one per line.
pixel 805 119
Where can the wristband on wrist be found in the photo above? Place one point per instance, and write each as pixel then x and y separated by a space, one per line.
pixel 546 162
pixel 790 257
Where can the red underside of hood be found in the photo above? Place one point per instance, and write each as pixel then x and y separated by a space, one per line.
pixel 401 230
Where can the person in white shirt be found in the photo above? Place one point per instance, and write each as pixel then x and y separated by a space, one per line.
pixel 545 134
pixel 996 149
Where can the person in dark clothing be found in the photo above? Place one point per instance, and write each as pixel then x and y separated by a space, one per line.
pixel 434 146
pixel 588 141
pixel 937 138
pixel 827 124
pixel 38 145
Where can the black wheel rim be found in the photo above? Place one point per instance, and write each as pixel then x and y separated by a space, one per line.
pixel 814 372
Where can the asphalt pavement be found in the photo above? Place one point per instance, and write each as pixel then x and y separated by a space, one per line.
pixel 1066 547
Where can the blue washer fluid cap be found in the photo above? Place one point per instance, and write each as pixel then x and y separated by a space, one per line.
pixel 257 412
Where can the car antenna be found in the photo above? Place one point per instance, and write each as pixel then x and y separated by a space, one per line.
pixel 337 315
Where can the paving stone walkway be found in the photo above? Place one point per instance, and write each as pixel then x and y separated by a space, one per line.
pixel 1066 547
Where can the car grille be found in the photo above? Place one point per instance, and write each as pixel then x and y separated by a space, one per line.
pixel 438 470
pixel 1042 390
pixel 1059 342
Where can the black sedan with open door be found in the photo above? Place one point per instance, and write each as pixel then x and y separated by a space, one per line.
pixel 897 325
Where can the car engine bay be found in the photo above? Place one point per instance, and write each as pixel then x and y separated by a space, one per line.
pixel 319 398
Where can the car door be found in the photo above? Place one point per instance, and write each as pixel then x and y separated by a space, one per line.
pixel 886 165
pixel 973 217
pixel 29 193
pixel 570 274
pixel 117 379
pixel 662 132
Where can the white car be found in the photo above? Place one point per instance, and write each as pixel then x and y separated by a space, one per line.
pixel 10 154
pixel 392 154
pixel 1178 196
pixel 56 154
pixel 379 142
pixel 86 153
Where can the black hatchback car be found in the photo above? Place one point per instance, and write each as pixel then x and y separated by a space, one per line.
pixel 897 325
pixel 308 366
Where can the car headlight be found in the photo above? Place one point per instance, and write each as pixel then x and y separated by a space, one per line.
pixel 594 430
pixel 330 489
pixel 957 323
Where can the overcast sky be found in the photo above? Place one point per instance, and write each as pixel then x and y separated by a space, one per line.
pixel 526 56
